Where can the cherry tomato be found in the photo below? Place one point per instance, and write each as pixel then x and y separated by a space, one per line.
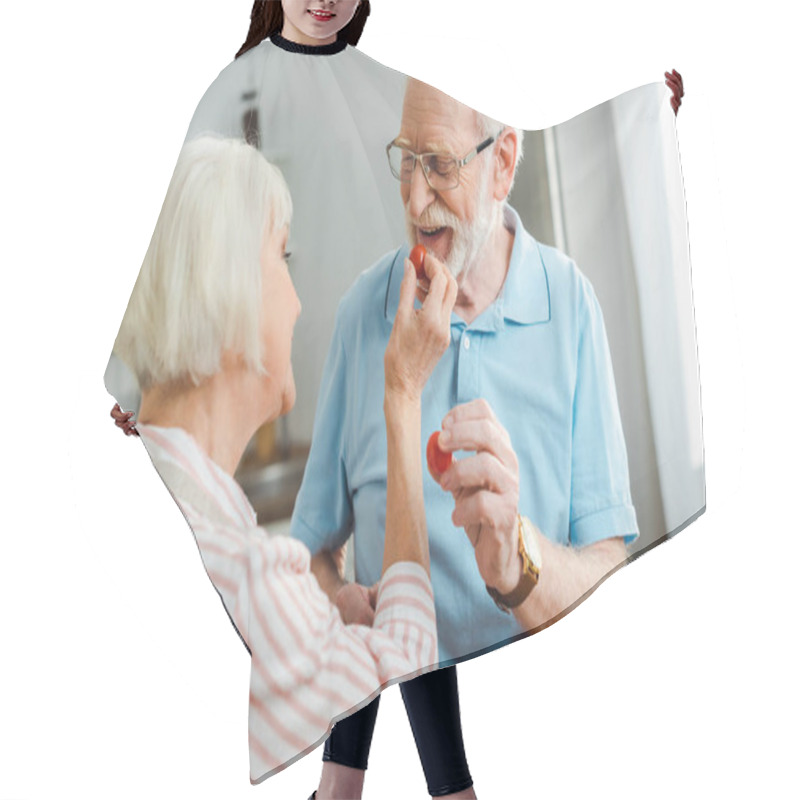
pixel 438 460
pixel 417 256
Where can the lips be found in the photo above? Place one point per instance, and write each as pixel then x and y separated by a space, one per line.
pixel 431 237
pixel 436 240
pixel 322 16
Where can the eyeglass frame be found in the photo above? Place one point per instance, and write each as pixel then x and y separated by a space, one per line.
pixel 460 162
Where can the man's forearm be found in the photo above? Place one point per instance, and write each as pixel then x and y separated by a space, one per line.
pixel 326 571
pixel 567 574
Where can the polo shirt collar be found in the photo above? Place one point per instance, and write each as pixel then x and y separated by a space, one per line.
pixel 524 299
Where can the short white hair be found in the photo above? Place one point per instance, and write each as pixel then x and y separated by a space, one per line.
pixel 198 293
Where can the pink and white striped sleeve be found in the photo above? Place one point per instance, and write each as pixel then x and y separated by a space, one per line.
pixel 308 667
pixel 405 613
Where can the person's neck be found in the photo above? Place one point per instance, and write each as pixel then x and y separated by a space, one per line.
pixel 221 414
pixel 484 281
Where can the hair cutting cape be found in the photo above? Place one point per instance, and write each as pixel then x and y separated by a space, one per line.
pixel 602 191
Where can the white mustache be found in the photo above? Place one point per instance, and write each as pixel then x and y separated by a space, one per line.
pixel 435 217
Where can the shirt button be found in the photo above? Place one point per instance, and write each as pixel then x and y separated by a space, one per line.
pixel 466 342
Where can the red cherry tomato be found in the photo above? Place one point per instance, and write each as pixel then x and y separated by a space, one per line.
pixel 417 256
pixel 438 460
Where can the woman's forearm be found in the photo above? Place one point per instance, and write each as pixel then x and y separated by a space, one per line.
pixel 406 529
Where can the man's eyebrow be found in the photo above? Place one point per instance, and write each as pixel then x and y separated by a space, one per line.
pixel 432 146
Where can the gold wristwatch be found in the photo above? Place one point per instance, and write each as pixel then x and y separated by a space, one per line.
pixel 531 567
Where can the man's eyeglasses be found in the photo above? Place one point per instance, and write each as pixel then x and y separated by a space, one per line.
pixel 442 171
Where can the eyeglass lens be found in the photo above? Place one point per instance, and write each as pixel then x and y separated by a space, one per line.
pixel 441 170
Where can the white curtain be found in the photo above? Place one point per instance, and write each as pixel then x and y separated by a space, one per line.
pixel 621 195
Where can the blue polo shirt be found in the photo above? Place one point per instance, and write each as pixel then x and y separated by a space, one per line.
pixel 539 356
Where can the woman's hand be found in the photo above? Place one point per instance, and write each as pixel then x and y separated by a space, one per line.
pixel 124 420
pixel 420 336
pixel 675 83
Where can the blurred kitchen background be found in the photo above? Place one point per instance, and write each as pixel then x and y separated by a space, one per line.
pixel 606 188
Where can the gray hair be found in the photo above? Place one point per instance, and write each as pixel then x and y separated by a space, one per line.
pixel 198 293
pixel 491 127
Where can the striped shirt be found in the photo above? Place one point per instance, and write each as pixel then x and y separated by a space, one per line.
pixel 308 668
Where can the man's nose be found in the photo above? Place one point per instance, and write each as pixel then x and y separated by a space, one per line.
pixel 420 194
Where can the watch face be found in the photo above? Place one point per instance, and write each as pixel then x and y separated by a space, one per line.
pixel 531 542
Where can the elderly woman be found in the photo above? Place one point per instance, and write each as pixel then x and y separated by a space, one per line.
pixel 208 333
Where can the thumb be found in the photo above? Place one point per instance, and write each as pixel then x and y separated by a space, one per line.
pixel 372 594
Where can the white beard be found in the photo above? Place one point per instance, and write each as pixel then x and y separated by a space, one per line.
pixel 468 238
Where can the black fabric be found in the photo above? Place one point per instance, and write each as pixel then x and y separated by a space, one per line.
pixel 309 49
pixel 433 711
pixel 351 738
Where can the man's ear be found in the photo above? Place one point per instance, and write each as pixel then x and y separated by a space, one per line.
pixel 505 158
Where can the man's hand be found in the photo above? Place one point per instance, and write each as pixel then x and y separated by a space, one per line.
pixel 675 82
pixel 356 604
pixel 486 491
pixel 124 420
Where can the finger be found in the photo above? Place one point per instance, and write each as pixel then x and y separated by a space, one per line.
pixel 433 302
pixel 479 435
pixel 675 83
pixel 482 472
pixel 423 282
pixel 433 266
pixel 474 409
pixel 473 531
pixel 486 510
pixel 408 288
pixel 432 307
pixel 120 416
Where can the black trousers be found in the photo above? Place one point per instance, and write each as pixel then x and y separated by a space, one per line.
pixel 432 706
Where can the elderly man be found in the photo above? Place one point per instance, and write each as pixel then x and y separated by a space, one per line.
pixel 536 508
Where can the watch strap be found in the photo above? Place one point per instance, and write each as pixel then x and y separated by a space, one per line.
pixel 527 581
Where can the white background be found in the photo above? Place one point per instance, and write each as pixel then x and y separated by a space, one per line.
pixel 120 676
